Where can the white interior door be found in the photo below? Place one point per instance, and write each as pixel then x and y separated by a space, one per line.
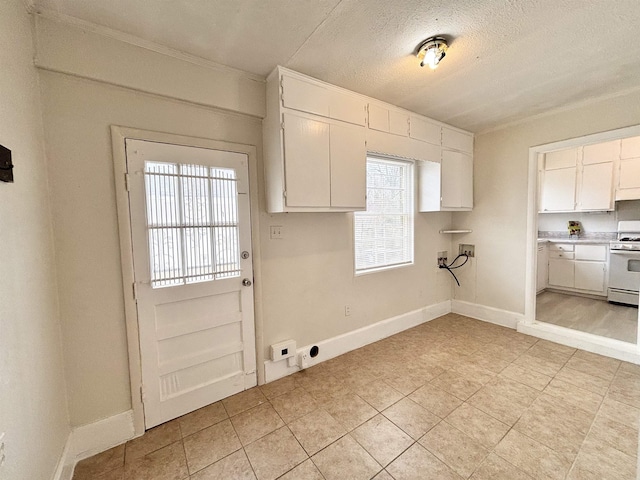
pixel 191 234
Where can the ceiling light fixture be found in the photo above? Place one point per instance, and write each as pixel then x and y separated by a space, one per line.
pixel 432 51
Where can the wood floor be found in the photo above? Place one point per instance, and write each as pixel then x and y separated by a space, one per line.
pixel 588 315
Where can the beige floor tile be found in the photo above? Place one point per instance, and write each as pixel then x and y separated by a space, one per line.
pixel 236 466
pixel 576 396
pixel 294 404
pixel 316 430
pixel 99 464
pixel 202 418
pixel 474 372
pixel 504 399
pixel 615 434
pixel 168 463
pixel 496 468
pixel 278 387
pixel 383 475
pixel 542 349
pixel 556 424
pixel 568 351
pixel 540 364
pixel 403 381
pixel 418 464
pixel 117 474
pixel 275 454
pixel 532 457
pixel 526 376
pixel 210 445
pixel 457 384
pixel 630 368
pixel 382 439
pixel 593 364
pixel 625 388
pixel 411 417
pixel 620 412
pixel 583 380
pixel 478 425
pixel 243 401
pixel 257 422
pixel 460 452
pixel 345 459
pixel 487 361
pixel 379 395
pixel 305 471
pixel 435 400
pixel 601 461
pixel 152 440
pixel 350 410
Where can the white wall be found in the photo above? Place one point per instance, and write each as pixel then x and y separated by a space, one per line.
pixel 499 218
pixel 591 222
pixel 307 277
pixel 33 409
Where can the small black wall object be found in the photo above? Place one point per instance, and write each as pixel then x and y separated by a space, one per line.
pixel 6 167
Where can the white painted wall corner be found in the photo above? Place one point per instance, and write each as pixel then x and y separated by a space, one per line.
pixel 94 438
pixel 497 316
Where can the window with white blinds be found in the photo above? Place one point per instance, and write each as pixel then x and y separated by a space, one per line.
pixel 192 223
pixel 384 232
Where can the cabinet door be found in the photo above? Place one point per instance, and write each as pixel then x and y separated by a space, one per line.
pixel 561 273
pixel 559 190
pixel 457 140
pixel 421 129
pixel 348 108
pixel 543 267
pixel 561 159
pixel 589 276
pixel 348 167
pixel 600 152
pixel 457 180
pixel 399 123
pixel 378 118
pixel 306 162
pixel 630 173
pixel 596 187
pixel 304 96
pixel 630 147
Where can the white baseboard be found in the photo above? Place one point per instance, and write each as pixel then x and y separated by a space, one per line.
pixel 497 316
pixel 94 438
pixel 609 347
pixel 347 342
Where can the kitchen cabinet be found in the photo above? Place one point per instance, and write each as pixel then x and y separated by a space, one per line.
pixel 315 146
pixel 596 187
pixel 628 187
pixel 424 130
pixel 543 267
pixel 580 268
pixel 446 185
pixel 559 190
pixel 457 140
pixel 388 120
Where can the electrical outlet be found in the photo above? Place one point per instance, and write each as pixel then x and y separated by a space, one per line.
pixel 466 249
pixel 347 310
pixel 276 232
pixel 442 259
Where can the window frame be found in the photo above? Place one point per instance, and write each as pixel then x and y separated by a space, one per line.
pixel 410 204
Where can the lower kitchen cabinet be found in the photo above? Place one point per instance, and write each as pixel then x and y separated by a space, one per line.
pixel 582 270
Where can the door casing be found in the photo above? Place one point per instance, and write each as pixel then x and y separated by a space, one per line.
pixel 118 136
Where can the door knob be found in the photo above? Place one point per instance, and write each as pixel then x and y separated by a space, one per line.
pixel 246 282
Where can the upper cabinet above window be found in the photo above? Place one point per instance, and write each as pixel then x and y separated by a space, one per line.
pixel 316 139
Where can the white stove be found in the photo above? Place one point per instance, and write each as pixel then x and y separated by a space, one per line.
pixel 624 264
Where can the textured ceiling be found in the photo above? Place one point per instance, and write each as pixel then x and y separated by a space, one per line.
pixel 508 59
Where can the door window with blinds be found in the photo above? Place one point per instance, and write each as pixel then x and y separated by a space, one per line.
pixel 384 232
pixel 192 223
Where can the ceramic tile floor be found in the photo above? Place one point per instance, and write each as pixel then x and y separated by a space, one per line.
pixel 453 398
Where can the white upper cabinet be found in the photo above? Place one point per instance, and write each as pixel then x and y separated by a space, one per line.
pixel 457 140
pixel 317 136
pixel 561 159
pixel 629 176
pixel 388 120
pixel 600 152
pixel 424 130
pixel 559 190
pixel 596 187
